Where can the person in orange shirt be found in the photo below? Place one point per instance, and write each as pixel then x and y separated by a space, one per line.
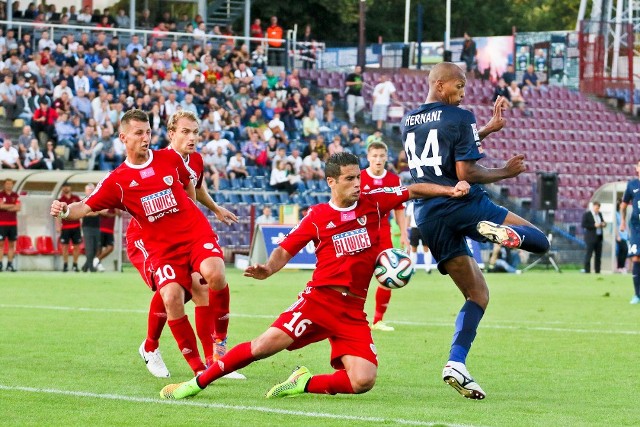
pixel 274 34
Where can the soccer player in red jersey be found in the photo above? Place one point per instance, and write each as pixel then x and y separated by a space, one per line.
pixel 9 208
pixel 69 230
pixel 212 310
pixel 156 189
pixel 346 235
pixel 371 178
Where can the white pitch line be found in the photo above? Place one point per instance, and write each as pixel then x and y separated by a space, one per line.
pixel 486 325
pixel 230 407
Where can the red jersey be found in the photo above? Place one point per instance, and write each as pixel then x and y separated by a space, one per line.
pixel 195 165
pixel 74 223
pixel 346 239
pixel 107 223
pixel 6 217
pixel 370 182
pixel 153 193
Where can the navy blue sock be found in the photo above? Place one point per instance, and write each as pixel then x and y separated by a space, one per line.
pixel 636 277
pixel 466 326
pixel 533 240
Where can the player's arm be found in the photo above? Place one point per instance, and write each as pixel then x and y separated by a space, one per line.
pixel 191 190
pixel 278 259
pixel 76 210
pixel 469 170
pixel 497 122
pixel 224 215
pixel 425 191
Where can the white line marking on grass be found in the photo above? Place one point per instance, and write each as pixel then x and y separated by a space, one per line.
pixel 486 325
pixel 229 407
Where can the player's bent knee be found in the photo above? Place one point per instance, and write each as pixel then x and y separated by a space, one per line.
pixel 362 383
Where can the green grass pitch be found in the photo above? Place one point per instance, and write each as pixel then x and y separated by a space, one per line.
pixel 552 350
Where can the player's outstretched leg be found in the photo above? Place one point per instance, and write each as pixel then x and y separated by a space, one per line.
pixel 525 237
pixel 181 390
pixel 294 385
pixel 383 296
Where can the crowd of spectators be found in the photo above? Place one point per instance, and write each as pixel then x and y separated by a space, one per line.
pixel 71 91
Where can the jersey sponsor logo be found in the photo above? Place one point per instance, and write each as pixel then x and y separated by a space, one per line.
pixel 362 220
pixel 389 190
pixel 351 242
pixel 635 190
pixel 347 216
pixel 159 202
pixel 146 173
pixel 331 225
pixel 133 183
pixel 168 180
pixel 377 181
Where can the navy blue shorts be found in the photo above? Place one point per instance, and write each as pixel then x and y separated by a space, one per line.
pixel 634 240
pixel 445 234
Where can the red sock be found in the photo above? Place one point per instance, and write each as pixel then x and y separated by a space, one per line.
pixel 335 383
pixel 219 303
pixel 186 339
pixel 237 358
pixel 204 324
pixel 155 322
pixel 382 302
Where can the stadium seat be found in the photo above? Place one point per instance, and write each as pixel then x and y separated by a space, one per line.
pixel 247 198
pixel 44 245
pixel 24 246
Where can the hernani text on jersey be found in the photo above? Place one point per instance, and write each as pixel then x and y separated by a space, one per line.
pixel 418 119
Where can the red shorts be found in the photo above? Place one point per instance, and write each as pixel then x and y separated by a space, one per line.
pixel 170 266
pixel 324 313
pixel 139 257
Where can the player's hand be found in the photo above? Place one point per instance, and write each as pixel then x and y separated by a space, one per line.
pixel 57 207
pixel 404 240
pixel 226 216
pixel 257 271
pixel 623 226
pixel 515 166
pixel 461 189
pixel 497 121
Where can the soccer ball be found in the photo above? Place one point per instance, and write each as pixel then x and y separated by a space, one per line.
pixel 393 268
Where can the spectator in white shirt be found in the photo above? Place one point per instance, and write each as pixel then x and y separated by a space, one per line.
pixel 218 142
pixel 244 74
pixel 62 87
pixel 237 167
pixel 189 74
pixel 266 217
pixel 382 94
pixel 9 157
pixel 295 159
pixel 312 167
pixel 45 42
pixel 171 105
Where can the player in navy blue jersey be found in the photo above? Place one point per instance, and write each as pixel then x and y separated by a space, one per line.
pixel 442 144
pixel 632 197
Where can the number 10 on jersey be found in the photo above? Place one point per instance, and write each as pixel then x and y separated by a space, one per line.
pixel 430 146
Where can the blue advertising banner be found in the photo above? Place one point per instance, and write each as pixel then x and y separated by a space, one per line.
pixel 267 238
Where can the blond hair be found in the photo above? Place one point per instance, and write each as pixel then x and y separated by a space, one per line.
pixel 182 114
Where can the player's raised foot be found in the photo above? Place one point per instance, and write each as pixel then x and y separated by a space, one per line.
pixel 154 362
pixel 501 234
pixel 180 390
pixel 381 326
pixel 294 385
pixel 635 300
pixel 456 375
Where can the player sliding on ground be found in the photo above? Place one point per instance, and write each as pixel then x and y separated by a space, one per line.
pixel 346 235
pixel 442 145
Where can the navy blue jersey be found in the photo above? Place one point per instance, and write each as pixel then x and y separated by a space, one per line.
pixel 632 197
pixel 435 137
